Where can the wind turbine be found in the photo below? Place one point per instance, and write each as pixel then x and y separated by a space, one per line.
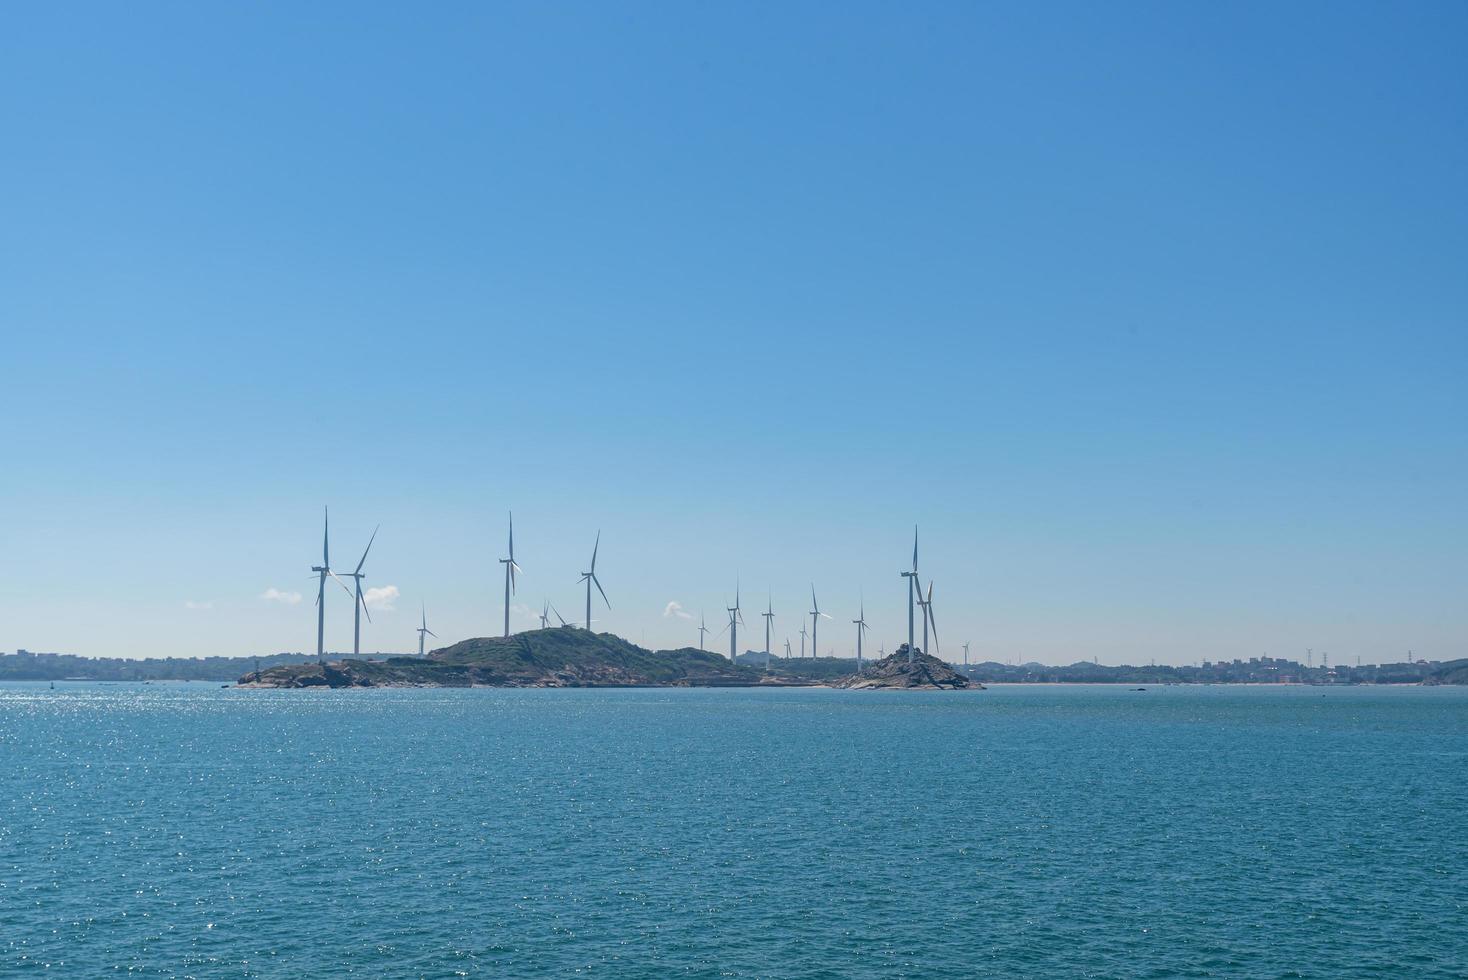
pixel 545 614
pixel 912 584
pixel 324 569
pixel 361 603
pixel 424 629
pixel 510 569
pixel 927 605
pixel 735 618
pixel 769 615
pixel 702 629
pixel 589 578
pixel 965 654
pixel 815 618
pixel 787 648
pixel 861 627
pixel 803 635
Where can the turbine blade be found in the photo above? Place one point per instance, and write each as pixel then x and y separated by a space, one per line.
pixel 364 609
pixel 597 582
pixel 431 633
pixel 512 535
pixel 594 549
pixel 369 547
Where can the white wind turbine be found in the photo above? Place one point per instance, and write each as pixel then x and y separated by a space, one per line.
pixel 803 635
pixel 702 629
pixel 590 578
pixel 815 618
pixel 545 614
pixel 927 605
pixel 769 616
pixel 361 602
pixel 861 627
pixel 511 570
pixel 324 569
pixel 912 587
pixel 736 619
pixel 424 629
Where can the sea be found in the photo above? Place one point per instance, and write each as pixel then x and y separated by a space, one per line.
pixel 1023 831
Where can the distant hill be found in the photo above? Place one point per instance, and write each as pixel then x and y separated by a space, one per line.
pixel 557 657
pixel 1452 672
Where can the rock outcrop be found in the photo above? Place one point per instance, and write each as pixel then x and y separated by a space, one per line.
pixel 894 673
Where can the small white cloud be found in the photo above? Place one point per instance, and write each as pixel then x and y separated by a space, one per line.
pixel 382 598
pixel 675 609
pixel 191 604
pixel 273 594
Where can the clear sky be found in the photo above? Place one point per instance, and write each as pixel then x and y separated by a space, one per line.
pixel 1154 316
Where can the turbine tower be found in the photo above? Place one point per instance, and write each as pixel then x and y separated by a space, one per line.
pixel 424 629
pixel 965 653
pixel 861 627
pixel 510 571
pixel 912 585
pixel 324 569
pixel 702 629
pixel 361 603
pixel 769 615
pixel 815 618
pixel 589 578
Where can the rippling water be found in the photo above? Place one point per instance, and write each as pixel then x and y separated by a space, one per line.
pixel 1032 831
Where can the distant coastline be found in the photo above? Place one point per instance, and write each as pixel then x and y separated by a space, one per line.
pixel 27 666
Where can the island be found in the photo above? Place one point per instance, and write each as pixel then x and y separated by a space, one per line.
pixel 569 657
pixel 896 673
pixel 563 656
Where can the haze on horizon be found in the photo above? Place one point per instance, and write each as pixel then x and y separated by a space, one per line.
pixel 1155 323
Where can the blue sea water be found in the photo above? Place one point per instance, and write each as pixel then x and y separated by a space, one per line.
pixel 1021 831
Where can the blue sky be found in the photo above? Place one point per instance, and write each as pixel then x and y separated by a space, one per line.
pixel 1152 315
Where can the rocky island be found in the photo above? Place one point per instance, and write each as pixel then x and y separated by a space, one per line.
pixel 555 657
pixel 570 657
pixel 895 673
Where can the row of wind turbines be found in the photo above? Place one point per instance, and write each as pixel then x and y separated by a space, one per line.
pixel 359 601
pixel 916 599
pixel 914 595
